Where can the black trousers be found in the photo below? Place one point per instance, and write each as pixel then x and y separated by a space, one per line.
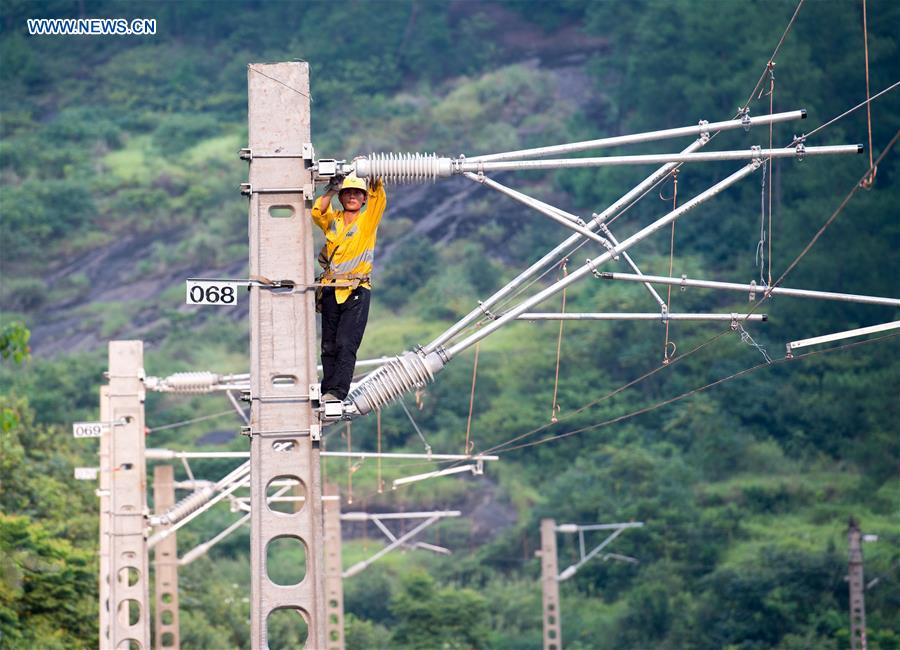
pixel 343 327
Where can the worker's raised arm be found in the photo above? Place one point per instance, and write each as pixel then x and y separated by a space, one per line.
pixel 376 204
pixel 322 213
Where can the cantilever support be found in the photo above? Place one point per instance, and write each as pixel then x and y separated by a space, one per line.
pixel 617 529
pixel 396 542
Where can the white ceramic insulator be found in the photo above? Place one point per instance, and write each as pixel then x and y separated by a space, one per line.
pixel 185 507
pixel 191 382
pixel 404 167
pixel 398 376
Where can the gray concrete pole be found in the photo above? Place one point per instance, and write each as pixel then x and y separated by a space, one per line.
pixel 105 471
pixel 855 579
pixel 550 586
pixel 334 581
pixel 128 583
pixel 165 562
pixel 283 425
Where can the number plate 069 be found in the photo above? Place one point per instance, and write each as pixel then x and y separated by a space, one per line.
pixel 201 292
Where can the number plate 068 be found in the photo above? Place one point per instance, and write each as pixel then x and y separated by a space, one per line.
pixel 201 292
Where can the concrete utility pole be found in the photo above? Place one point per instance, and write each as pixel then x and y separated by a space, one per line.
pixel 103 493
pixel 128 584
pixel 334 580
pixel 165 556
pixel 550 585
pixel 857 585
pixel 284 431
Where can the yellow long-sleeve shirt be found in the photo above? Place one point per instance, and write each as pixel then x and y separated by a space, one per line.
pixel 350 247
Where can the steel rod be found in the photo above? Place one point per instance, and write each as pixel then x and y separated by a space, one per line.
pixel 435 474
pixel 659 316
pixel 634 267
pixel 366 516
pixel 359 566
pixel 655 159
pixel 171 454
pixel 747 288
pixel 605 257
pixel 648 136
pixel 570 221
pixel 837 336
pixel 553 255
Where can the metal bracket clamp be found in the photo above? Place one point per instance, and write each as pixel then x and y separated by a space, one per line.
pixel 789 353
pixel 704 131
pixel 331 411
pixel 664 312
pixel 752 290
pixel 307 190
pixel 757 155
pixel 249 432
pixel 745 119
pixel 608 244
pixel 734 322
pixel 309 154
pixel 596 272
pixel 487 312
pixel 683 285
pixel 801 147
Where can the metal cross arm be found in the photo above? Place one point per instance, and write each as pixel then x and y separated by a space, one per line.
pixel 617 529
pixel 396 542
pixel 407 168
pixel 838 336
pixel 703 127
pixel 685 282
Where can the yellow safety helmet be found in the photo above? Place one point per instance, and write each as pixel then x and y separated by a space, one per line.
pixel 353 182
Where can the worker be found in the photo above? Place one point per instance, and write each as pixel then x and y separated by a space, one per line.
pixel 346 258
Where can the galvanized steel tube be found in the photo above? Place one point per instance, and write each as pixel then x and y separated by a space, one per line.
pixel 747 288
pixel 648 136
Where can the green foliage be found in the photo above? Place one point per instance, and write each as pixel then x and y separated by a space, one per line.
pixel 429 617
pixel 48 592
pixel 14 342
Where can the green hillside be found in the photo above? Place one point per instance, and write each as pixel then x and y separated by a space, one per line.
pixel 119 178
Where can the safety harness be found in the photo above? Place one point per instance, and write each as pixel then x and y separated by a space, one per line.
pixel 329 278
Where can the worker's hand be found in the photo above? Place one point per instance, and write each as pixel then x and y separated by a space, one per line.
pixel 334 185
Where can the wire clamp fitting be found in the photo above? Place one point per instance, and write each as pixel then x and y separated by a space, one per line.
pixel 594 270
pixel 683 285
pixel 704 131
pixel 607 243
pixel 801 147
pixel 664 312
pixel 752 290
pixel 745 119
pixel 757 156
pixel 442 354
pixel 487 312
pixel 246 153
pixel 789 354
pixel 734 323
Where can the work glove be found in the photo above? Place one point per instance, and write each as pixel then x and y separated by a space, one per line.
pixel 334 185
